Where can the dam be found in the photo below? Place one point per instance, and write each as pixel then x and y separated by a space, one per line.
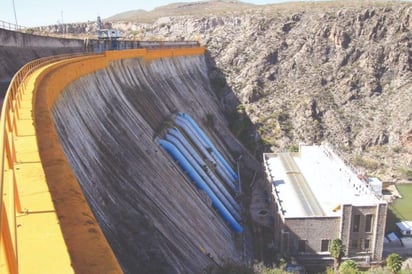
pixel 122 203
pixel 112 117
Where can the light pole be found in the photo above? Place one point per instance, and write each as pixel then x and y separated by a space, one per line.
pixel 15 16
pixel 62 24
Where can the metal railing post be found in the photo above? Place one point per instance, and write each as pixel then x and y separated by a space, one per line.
pixel 7 243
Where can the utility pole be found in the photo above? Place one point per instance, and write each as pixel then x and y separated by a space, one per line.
pixel 62 24
pixel 15 16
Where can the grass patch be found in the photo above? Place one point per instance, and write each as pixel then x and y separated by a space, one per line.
pixel 401 208
pixel 406 173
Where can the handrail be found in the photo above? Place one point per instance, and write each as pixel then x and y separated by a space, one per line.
pixel 9 130
pixel 11 26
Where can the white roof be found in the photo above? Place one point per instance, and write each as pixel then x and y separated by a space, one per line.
pixel 405 225
pixel 315 182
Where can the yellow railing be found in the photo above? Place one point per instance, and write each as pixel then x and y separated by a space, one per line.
pixel 9 195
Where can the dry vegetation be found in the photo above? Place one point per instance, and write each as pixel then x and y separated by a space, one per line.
pixel 225 7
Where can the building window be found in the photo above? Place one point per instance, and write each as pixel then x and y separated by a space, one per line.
pixel 368 223
pixel 366 244
pixel 324 246
pixel 354 244
pixel 356 222
pixel 302 246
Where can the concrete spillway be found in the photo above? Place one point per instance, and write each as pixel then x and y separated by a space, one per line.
pixel 155 220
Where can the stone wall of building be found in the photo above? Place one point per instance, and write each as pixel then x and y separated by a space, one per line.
pixel 312 230
pixel 362 235
pixel 345 225
pixel 381 213
pixel 363 238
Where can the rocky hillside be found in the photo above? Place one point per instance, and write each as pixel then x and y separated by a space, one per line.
pixel 310 73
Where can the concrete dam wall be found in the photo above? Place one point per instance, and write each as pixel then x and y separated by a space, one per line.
pixel 17 49
pixel 153 216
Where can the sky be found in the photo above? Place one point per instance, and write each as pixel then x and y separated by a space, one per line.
pixel 31 13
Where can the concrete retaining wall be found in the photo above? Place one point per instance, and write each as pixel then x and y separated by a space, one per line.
pixel 18 39
pixel 17 49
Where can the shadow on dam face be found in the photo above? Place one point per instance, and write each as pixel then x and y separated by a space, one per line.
pixel 154 218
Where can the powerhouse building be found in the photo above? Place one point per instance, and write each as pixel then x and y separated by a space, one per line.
pixel 320 198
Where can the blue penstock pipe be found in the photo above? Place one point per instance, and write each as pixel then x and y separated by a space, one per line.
pixel 194 176
pixel 208 142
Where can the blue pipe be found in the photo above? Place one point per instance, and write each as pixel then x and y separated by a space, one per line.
pixel 178 135
pixel 195 140
pixel 189 129
pixel 207 140
pixel 184 164
pixel 217 181
pixel 215 186
pixel 220 170
pixel 175 132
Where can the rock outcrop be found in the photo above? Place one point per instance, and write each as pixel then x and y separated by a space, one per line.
pixel 311 73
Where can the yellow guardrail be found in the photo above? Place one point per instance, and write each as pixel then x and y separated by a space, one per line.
pixel 56 77
pixel 9 198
